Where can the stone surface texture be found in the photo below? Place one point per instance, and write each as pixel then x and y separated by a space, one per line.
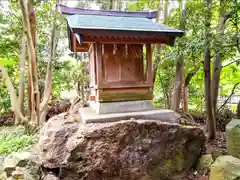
pixel 205 163
pixel 50 177
pixel 132 149
pixel 123 106
pixel 233 138
pixel 20 166
pixel 88 115
pixel 225 168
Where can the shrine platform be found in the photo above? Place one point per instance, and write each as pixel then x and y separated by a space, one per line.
pixel 88 115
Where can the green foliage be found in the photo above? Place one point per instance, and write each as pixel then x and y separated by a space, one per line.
pixel 192 48
pixel 14 140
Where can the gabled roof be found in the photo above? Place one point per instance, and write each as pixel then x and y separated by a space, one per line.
pixel 117 23
pixel 86 26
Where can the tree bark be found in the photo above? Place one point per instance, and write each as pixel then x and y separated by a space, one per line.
pixel 48 82
pixel 159 47
pixel 217 65
pixel 211 122
pixel 22 75
pixel 32 20
pixel 13 96
pixel 33 66
pixel 177 86
pixel 238 110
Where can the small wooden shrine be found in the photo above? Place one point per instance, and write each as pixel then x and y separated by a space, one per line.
pixel 120 51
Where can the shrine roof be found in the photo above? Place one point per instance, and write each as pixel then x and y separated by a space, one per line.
pixel 71 11
pixel 119 24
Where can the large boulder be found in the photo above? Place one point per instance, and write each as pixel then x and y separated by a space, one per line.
pixel 131 149
pixel 225 168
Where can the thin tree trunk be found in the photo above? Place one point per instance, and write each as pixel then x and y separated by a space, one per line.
pixel 33 65
pixel 159 47
pixel 217 65
pixel 115 4
pixel 211 123
pixel 13 96
pixel 177 86
pixel 238 110
pixel 48 82
pixel 22 75
pixel 30 89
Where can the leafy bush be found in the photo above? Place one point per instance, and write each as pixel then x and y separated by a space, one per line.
pixel 15 141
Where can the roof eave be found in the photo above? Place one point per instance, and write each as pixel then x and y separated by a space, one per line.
pixel 71 11
pixel 127 32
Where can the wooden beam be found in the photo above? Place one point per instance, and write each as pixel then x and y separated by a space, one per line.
pixel 127 40
pixel 82 48
pixel 149 72
pixel 128 33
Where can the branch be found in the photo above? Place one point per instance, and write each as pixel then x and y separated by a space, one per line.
pixel 237 60
pixel 13 96
pixel 228 15
pixel 225 102
pixel 190 75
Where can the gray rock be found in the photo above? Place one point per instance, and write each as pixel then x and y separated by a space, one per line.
pixel 50 177
pixel 132 149
pixel 233 138
pixel 3 176
pixel 18 174
pixel 2 159
pixel 205 163
pixel 9 170
pixel 20 159
pixel 225 168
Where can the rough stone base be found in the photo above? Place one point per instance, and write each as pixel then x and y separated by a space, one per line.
pixel 121 107
pixel 123 150
pixel 88 115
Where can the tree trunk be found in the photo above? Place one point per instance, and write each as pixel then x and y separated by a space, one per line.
pixel 32 64
pixel 178 82
pixel 177 87
pixel 22 73
pixel 32 19
pixel 159 47
pixel 238 110
pixel 48 82
pixel 13 96
pixel 211 124
pixel 217 65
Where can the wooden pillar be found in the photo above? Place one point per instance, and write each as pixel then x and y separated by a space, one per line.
pixel 99 69
pixel 99 64
pixel 149 78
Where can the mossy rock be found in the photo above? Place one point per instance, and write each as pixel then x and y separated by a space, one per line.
pixel 205 163
pixel 233 137
pixel 225 168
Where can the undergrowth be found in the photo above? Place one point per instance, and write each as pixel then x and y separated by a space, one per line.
pixel 14 139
